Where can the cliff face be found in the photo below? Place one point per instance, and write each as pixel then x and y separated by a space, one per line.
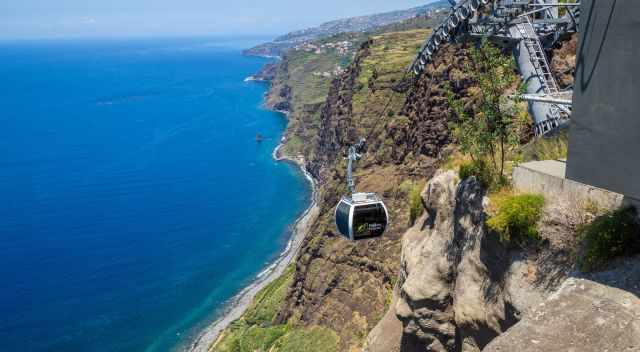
pixel 427 106
pixel 411 133
pixel 343 286
pixel 336 125
pixel 338 284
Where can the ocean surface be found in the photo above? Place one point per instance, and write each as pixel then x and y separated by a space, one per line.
pixel 134 197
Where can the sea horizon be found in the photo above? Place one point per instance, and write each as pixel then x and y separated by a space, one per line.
pixel 244 41
pixel 132 188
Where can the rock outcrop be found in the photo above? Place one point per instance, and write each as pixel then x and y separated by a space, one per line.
pixel 461 290
pixel 452 292
pixel 582 316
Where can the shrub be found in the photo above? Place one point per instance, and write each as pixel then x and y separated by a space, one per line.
pixel 261 339
pixel 547 148
pixel 267 302
pixel 479 169
pixel 491 127
pixel 516 217
pixel 415 205
pixel 609 236
pixel 250 339
pixel 412 190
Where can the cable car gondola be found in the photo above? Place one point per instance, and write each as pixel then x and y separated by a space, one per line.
pixel 360 216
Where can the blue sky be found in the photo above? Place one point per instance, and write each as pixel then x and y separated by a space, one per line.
pixel 136 18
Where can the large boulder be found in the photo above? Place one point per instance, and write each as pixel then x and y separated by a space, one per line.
pixel 583 316
pixel 452 295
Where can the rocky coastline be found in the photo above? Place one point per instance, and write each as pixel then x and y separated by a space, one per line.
pixel 237 305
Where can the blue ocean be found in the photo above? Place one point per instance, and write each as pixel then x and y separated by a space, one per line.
pixel 134 198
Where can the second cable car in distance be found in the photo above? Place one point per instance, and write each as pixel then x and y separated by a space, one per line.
pixel 360 216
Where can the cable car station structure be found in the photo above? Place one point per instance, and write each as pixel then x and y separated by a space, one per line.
pixel 526 26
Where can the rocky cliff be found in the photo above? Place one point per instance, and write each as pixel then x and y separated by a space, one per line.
pixel 461 289
pixel 341 285
pixel 583 315
pixel 441 283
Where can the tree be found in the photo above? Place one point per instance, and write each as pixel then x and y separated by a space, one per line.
pixel 486 130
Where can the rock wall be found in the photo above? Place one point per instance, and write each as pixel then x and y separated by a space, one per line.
pixel 427 105
pixel 582 316
pixel 452 282
pixel 337 128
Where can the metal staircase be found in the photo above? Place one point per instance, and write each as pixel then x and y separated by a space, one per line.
pixel 538 57
pixel 556 114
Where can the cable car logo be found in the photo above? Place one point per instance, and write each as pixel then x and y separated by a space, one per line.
pixel 363 228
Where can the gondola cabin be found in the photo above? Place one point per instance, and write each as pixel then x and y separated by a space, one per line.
pixel 361 216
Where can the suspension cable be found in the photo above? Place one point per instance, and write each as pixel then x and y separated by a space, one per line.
pixel 379 119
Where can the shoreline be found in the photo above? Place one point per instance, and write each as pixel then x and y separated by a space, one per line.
pixel 238 304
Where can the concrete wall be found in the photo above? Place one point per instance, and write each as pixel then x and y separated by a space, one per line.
pixel 546 178
pixel 604 138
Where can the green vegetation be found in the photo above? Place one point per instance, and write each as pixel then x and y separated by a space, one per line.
pixel 243 338
pixel 418 22
pixel 486 132
pixel 255 330
pixel 563 10
pixel 315 339
pixel 294 146
pixel 267 302
pixel 547 148
pixel 609 236
pixel 453 159
pixel 308 76
pixel 389 56
pixel 516 217
pixel 479 169
pixel 412 191
pixel 280 338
